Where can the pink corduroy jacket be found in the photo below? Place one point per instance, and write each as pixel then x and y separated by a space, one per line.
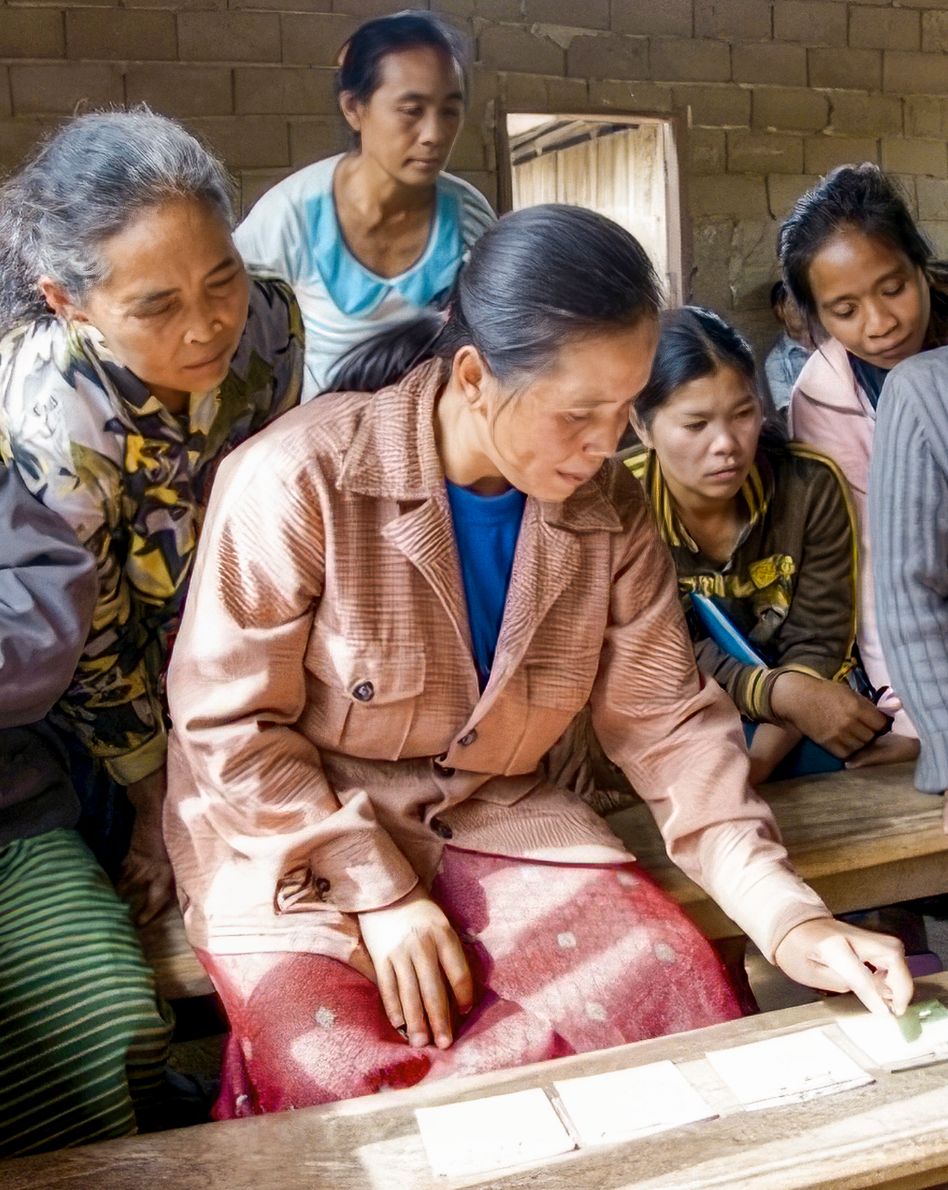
pixel 829 410
pixel 329 734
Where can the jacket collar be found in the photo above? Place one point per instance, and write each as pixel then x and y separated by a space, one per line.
pixel 393 456
pixel 756 492
pixel 827 379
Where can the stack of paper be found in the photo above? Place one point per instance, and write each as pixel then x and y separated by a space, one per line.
pixel 918 1038
pixel 624 1104
pixel 787 1069
pixel 482 1135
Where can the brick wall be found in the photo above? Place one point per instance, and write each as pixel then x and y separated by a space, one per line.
pixel 769 94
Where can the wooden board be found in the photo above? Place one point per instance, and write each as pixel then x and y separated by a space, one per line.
pixel 893 1133
pixel 862 838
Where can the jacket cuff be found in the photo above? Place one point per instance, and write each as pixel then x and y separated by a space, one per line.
pixel 767 681
pixel 142 762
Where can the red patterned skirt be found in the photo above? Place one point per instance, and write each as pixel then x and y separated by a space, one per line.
pixel 565 959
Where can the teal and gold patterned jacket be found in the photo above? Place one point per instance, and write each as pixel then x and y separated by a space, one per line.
pixel 133 479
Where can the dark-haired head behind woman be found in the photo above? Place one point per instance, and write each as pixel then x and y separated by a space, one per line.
pixel 874 294
pixel 545 356
pixel 763 529
pixel 370 237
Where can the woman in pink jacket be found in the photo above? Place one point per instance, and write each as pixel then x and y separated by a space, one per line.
pixel 865 277
pixel 402 600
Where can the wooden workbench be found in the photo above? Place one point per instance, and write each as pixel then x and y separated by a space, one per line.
pixel 893 1133
pixel 861 838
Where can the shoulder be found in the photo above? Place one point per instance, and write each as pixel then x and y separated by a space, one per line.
pixel 52 391
pixel 476 212
pixel 808 478
pixel 302 186
pixel 272 307
pixel 921 382
pixel 304 447
pixel 635 460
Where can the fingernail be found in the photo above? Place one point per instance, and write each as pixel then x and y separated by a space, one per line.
pixel 418 1040
pixel 403 1029
pixel 443 1041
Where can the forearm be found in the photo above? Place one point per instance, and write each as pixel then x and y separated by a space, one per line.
pixel 768 747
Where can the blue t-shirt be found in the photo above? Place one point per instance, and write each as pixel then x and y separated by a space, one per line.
pixel 486 529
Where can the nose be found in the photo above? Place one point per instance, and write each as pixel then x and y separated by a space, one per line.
pixel 203 326
pixel 880 320
pixel 434 130
pixel 603 440
pixel 725 442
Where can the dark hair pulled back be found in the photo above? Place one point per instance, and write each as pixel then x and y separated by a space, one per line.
pixel 694 343
pixel 861 197
pixel 537 278
pixel 360 59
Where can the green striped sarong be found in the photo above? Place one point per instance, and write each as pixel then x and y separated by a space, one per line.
pixel 83 1037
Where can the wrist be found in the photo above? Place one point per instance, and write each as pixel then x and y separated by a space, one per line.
pixel 785 692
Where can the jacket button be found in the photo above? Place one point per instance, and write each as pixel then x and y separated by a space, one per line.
pixel 364 692
pixel 322 886
pixel 469 738
pixel 441 828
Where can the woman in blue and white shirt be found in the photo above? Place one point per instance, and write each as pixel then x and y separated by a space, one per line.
pixel 371 237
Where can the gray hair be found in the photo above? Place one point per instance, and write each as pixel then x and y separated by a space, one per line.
pixel 87 182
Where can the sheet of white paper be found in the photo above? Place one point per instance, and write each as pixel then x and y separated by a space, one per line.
pixel 488 1134
pixel 787 1069
pixel 884 1041
pixel 623 1104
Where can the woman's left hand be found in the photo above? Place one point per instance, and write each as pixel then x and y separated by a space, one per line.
pixel 887 749
pixel 147 882
pixel 832 956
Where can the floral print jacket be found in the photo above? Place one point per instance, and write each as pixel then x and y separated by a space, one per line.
pixel 91 442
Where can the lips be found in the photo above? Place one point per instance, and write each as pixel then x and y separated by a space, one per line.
pixel 573 477
pixel 893 351
pixel 208 362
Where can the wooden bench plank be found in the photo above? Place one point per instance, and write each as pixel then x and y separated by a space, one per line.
pixel 863 838
pixel 178 974
pixel 892 1133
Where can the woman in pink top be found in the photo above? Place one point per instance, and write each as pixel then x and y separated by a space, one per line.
pixel 865 277
pixel 378 877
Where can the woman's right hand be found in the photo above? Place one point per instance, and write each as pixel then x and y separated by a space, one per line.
pixel 414 950
pixel 829 713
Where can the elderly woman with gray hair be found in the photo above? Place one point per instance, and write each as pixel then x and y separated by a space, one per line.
pixel 136 352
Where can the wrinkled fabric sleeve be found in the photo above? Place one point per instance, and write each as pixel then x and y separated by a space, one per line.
pixel 238 685
pixel 678 739
pixel 47 594
pixel 908 505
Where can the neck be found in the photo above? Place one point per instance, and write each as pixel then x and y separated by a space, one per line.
pixel 174 401
pixel 700 513
pixel 459 435
pixel 375 194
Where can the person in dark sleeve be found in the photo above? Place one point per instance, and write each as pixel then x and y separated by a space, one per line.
pixel 83 1041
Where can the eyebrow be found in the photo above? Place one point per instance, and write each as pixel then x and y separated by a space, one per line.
pixel 419 96
pixel 898 271
pixel 160 295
